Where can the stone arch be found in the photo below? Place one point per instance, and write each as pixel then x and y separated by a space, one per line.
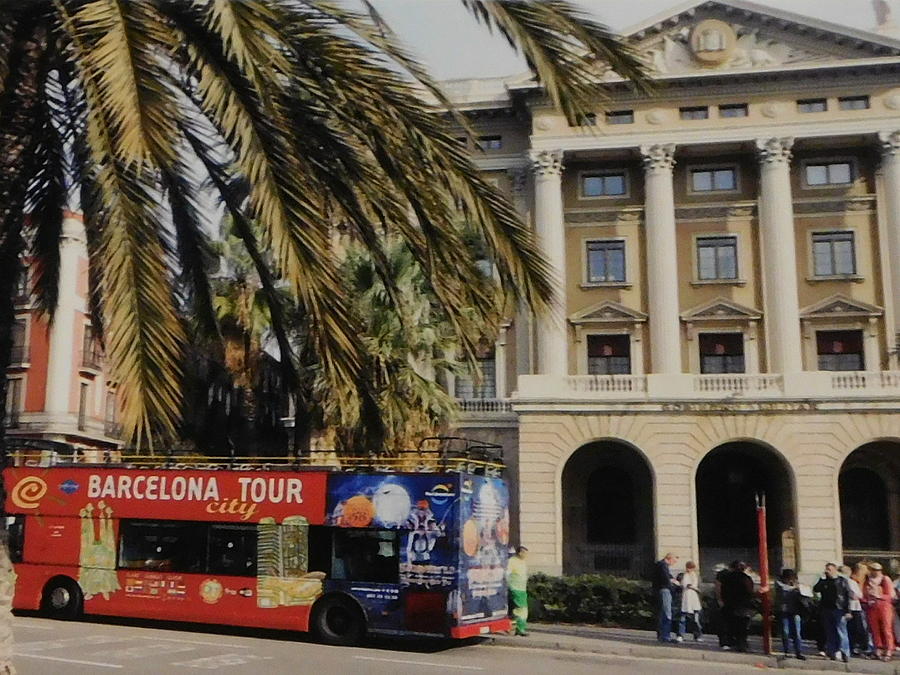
pixel 607 493
pixel 726 480
pixel 869 496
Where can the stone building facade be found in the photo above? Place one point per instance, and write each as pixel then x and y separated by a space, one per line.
pixel 727 305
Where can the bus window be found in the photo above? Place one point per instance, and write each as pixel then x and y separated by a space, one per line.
pixel 232 550
pixel 15 528
pixel 162 546
pixel 366 555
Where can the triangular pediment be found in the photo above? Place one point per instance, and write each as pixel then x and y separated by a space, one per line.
pixel 607 312
pixel 721 309
pixel 838 306
pixel 716 36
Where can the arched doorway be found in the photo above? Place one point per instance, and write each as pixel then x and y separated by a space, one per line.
pixel 607 496
pixel 869 491
pixel 728 480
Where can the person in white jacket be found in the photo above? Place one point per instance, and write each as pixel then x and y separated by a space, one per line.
pixel 691 606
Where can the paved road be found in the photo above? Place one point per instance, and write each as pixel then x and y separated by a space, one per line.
pixel 45 647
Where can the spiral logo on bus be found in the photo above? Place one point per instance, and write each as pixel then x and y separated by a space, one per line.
pixel 28 492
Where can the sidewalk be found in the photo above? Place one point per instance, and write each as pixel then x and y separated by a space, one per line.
pixel 643 644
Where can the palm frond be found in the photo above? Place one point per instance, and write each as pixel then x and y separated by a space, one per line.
pixel 567 50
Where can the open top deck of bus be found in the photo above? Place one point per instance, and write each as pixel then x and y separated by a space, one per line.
pixel 445 454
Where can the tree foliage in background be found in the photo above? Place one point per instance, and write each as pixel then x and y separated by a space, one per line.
pixel 299 114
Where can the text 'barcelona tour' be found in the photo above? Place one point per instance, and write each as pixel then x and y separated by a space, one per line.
pixel 193 488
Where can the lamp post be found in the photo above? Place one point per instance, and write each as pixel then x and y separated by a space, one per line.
pixel 764 573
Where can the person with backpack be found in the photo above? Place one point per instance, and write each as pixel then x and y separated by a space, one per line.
pixel 789 608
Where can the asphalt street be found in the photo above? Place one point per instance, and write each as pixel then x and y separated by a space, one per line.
pixel 45 647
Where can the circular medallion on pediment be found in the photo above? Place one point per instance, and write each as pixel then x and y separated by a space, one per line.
pixel 771 109
pixel 892 100
pixel 712 42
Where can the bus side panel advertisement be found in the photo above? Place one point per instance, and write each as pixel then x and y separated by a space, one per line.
pixel 484 527
pixel 423 507
pixel 223 496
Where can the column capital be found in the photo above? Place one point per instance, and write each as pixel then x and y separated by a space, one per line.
pixel 546 162
pixel 659 157
pixel 774 150
pixel 889 142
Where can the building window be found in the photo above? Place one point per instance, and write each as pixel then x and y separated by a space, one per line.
pixel 620 117
pixel 717 258
pixel 605 261
pixel 83 401
pixel 490 142
pixel 13 402
pixel 90 349
pixel 21 290
pixel 812 105
pixel 714 180
pixel 854 102
pixel 586 120
pixel 721 353
pixel 733 110
pixel 840 349
pixel 834 254
pixel 609 354
pixel 485 387
pixel 610 184
pixel 829 173
pixel 697 112
pixel 19 351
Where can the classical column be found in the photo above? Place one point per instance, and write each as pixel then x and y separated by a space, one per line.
pixel 500 376
pixel 518 179
pixel 552 335
pixel 662 261
pixel 63 331
pixel 776 224
pixel 890 199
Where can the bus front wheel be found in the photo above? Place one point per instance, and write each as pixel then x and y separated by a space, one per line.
pixel 62 599
pixel 338 621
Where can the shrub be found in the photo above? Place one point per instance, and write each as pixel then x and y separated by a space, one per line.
pixel 591 598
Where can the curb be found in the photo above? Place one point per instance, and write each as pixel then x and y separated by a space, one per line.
pixel 609 648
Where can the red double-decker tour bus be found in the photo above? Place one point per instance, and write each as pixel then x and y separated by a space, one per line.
pixel 340 553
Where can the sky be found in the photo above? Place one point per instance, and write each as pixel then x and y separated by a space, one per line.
pixel 444 36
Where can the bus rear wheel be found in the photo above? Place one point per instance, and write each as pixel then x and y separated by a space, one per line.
pixel 62 599
pixel 338 621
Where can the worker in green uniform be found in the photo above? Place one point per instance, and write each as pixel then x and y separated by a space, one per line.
pixel 517 582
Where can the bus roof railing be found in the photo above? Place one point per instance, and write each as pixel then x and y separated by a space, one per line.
pixel 438 454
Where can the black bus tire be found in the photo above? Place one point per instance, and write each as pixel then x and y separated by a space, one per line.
pixel 338 620
pixel 62 599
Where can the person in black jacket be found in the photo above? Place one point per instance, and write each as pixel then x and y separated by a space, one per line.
pixel 663 584
pixel 834 605
pixel 737 603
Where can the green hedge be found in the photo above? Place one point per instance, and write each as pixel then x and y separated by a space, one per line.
pixel 591 598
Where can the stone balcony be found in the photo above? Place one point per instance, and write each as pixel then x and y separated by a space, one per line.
pixel 820 385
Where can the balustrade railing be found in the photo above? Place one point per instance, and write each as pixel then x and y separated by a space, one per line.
pixel 738 383
pixel 624 384
pixel 484 405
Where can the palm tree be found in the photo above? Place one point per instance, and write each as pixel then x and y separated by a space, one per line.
pixel 299 114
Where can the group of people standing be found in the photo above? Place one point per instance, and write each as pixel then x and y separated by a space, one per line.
pixel 855 608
